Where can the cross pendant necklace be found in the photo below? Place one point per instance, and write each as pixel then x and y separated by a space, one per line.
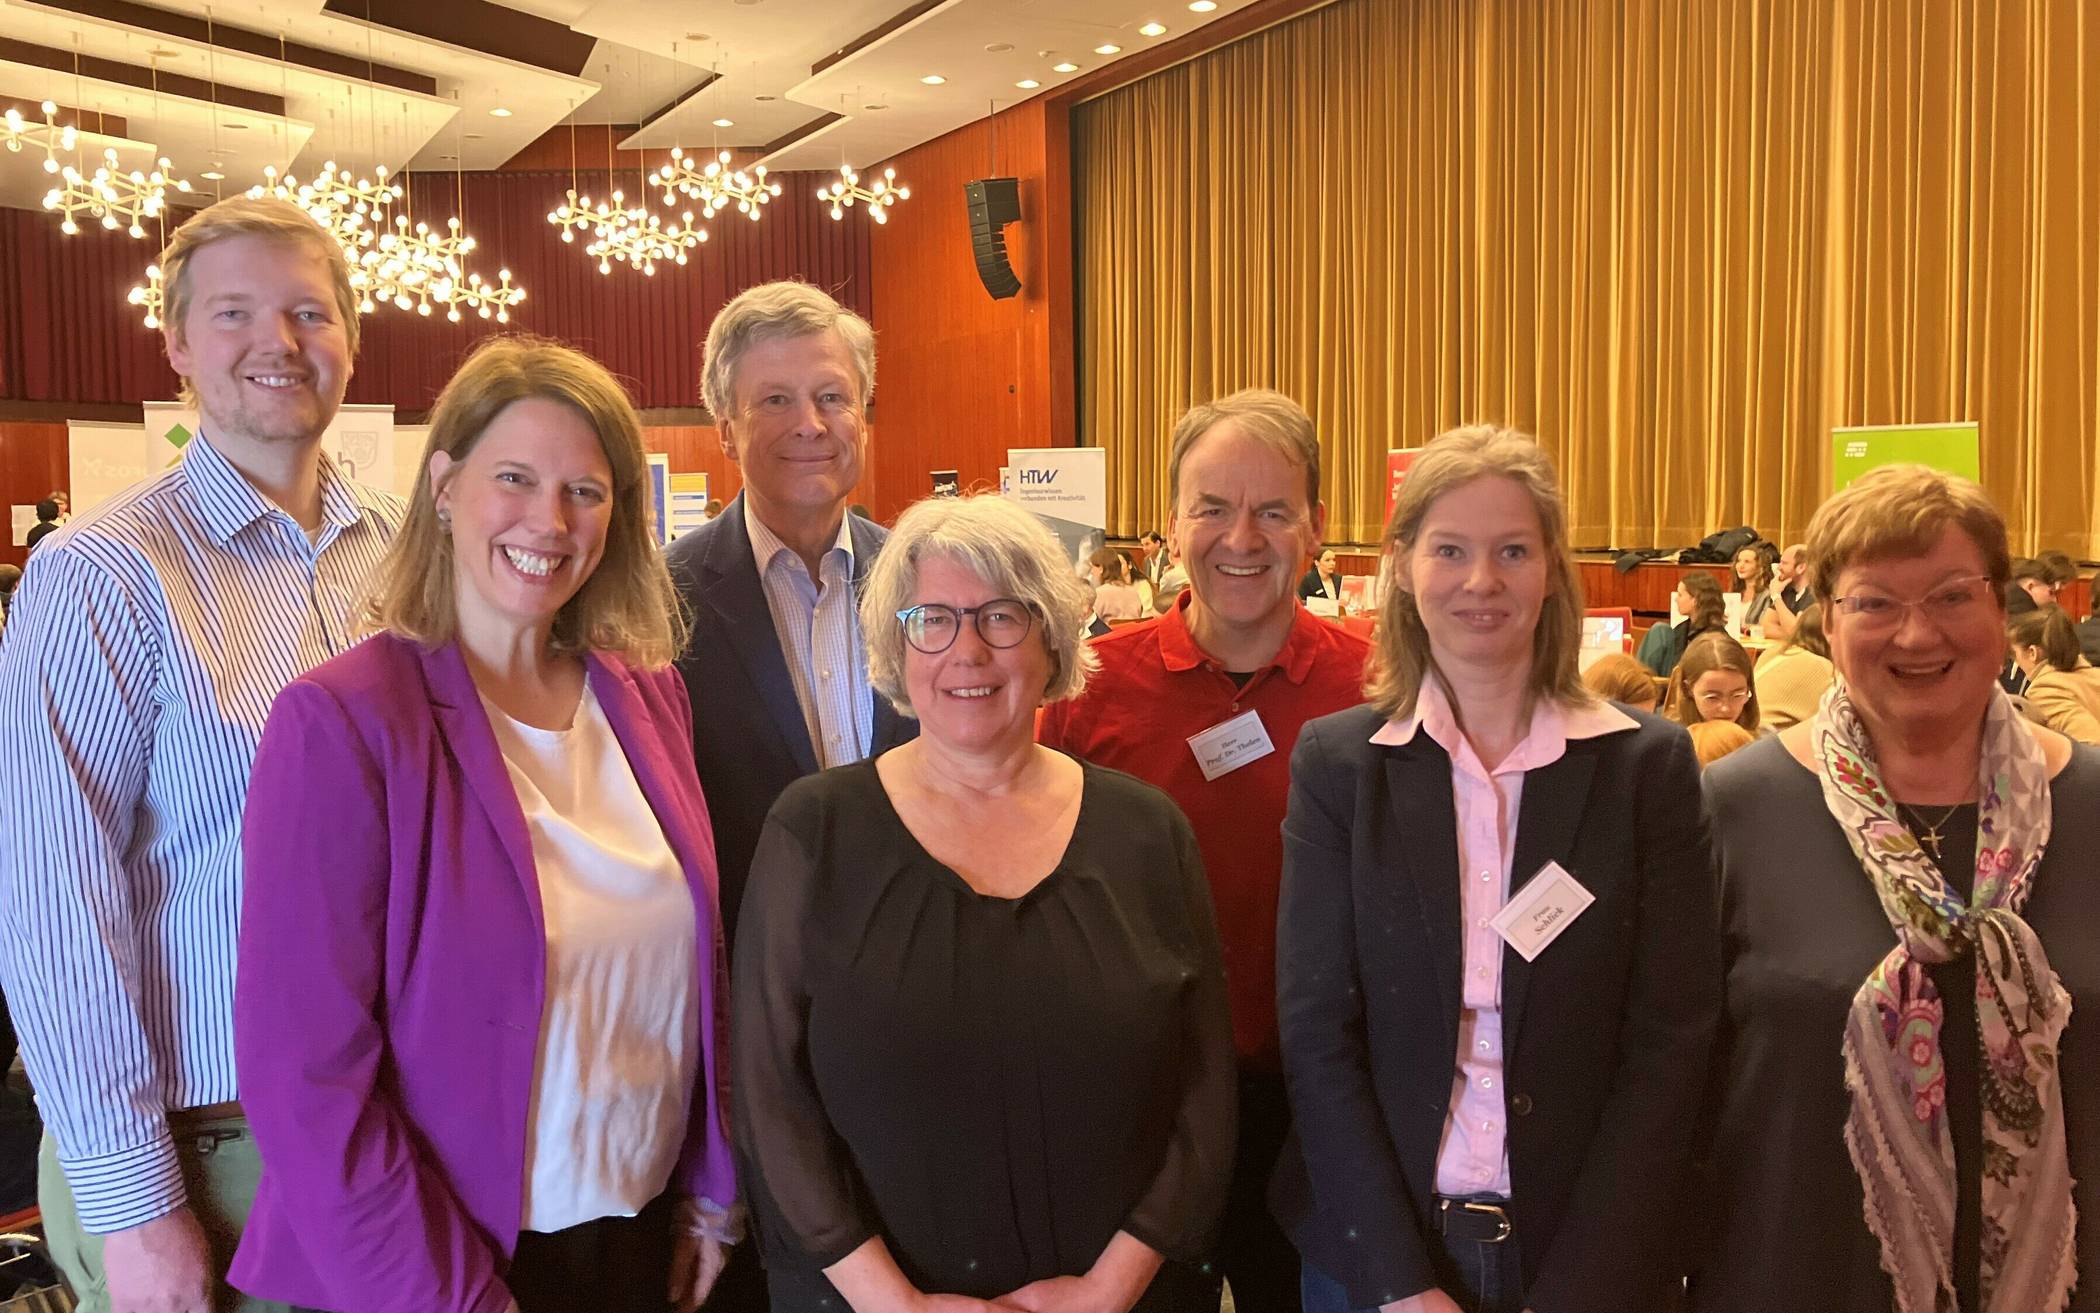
pixel 1927 832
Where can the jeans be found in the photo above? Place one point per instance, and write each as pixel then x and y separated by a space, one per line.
pixel 1482 1278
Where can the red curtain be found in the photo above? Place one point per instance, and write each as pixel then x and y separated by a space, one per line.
pixel 66 334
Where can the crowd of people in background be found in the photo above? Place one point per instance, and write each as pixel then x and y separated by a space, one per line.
pixel 459 905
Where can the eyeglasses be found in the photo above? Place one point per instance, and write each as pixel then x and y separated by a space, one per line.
pixel 1953 602
pixel 1002 622
pixel 1735 699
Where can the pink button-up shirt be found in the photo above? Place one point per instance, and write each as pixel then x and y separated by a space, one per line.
pixel 1473 1157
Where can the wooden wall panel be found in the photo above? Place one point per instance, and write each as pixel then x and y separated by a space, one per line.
pixel 960 377
pixel 32 463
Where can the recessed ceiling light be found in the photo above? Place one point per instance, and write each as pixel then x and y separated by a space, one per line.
pixel 1153 29
pixel 500 112
pixel 1202 6
pixel 933 79
pixel 1108 50
pixel 998 47
pixel 1028 84
pixel 1067 67
pixel 725 123
pixel 212 175
pixel 763 99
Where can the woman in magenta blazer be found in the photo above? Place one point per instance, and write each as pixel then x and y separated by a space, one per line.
pixel 479 992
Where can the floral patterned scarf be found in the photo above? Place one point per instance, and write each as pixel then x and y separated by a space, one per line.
pixel 1897 1130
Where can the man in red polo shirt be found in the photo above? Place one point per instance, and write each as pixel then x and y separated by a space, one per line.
pixel 1206 703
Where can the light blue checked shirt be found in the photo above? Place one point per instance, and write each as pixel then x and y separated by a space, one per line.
pixel 147 642
pixel 818 624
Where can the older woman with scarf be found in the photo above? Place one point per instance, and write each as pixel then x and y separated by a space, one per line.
pixel 1907 881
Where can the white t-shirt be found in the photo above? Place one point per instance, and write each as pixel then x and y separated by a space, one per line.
pixel 613 1078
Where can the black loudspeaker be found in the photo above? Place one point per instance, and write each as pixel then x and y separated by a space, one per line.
pixel 994 203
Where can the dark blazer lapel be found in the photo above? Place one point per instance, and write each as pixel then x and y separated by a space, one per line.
pixel 729 583
pixel 888 728
pixel 638 731
pixel 1555 797
pixel 464 725
pixel 1423 846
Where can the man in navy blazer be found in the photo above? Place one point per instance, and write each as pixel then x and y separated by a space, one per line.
pixel 776 665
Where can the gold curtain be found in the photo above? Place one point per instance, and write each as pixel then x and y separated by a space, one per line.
pixel 1679 241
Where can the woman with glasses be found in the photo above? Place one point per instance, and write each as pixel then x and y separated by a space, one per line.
pixel 983 1055
pixel 1713 681
pixel 1907 884
pixel 1498 974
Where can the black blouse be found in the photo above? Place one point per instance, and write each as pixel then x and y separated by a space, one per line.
pixel 1785 1222
pixel 994 1086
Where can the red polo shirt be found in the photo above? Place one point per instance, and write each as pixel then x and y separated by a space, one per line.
pixel 1155 688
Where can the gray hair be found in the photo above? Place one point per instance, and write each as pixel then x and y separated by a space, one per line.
pixel 1269 417
pixel 770 311
pixel 1008 548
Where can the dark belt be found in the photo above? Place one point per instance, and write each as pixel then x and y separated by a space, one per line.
pixel 1483 1220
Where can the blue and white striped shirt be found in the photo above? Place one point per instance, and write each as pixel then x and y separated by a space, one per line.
pixel 818 626
pixel 147 642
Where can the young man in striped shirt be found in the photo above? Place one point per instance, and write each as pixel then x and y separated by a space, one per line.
pixel 148 640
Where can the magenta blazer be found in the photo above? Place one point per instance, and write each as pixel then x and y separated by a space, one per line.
pixel 393 973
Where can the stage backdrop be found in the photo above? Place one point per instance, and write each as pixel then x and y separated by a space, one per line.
pixel 1679 242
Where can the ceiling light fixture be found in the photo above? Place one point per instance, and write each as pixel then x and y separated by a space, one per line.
pixel 499 112
pixel 715 185
pixel 1067 67
pixel 1202 6
pixel 1153 29
pixel 846 189
pixel 118 199
pixel 725 123
pixel 1108 49
pixel 1028 84
pixel 212 175
pixel 933 79
pixel 17 132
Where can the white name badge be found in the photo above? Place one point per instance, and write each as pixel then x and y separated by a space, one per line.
pixel 1231 744
pixel 1548 903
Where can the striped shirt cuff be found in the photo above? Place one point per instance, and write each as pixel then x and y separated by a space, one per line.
pixel 115 1191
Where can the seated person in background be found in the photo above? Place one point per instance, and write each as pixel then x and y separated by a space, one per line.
pixel 982 1043
pixel 1139 581
pixel 46 523
pixel 1699 597
pixel 1753 582
pixel 1155 545
pixel 1790 593
pixel 1323 580
pixel 1114 598
pixel 1714 681
pixel 1173 581
pixel 2035 579
pixel 1622 679
pixel 2063 688
pixel 10 579
pixel 1791 678
pixel 1715 739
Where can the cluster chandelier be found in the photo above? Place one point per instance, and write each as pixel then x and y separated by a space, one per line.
pixel 391 263
pixel 716 186
pixel 629 234
pixel 116 198
pixel 844 190
pixel 17 132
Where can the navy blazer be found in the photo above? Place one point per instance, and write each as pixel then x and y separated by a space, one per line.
pixel 749 739
pixel 1605 1037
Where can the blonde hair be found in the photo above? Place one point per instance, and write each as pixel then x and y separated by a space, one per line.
pixel 1401 658
pixel 1621 678
pixel 1008 548
pixel 1900 510
pixel 1269 417
pixel 1715 739
pixel 766 313
pixel 628 605
pixel 1711 651
pixel 244 216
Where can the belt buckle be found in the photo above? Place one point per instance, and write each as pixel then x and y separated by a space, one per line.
pixel 1496 1211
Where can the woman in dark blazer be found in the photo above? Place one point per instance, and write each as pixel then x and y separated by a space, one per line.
pixel 1323 580
pixel 1481 1128
pixel 478 999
